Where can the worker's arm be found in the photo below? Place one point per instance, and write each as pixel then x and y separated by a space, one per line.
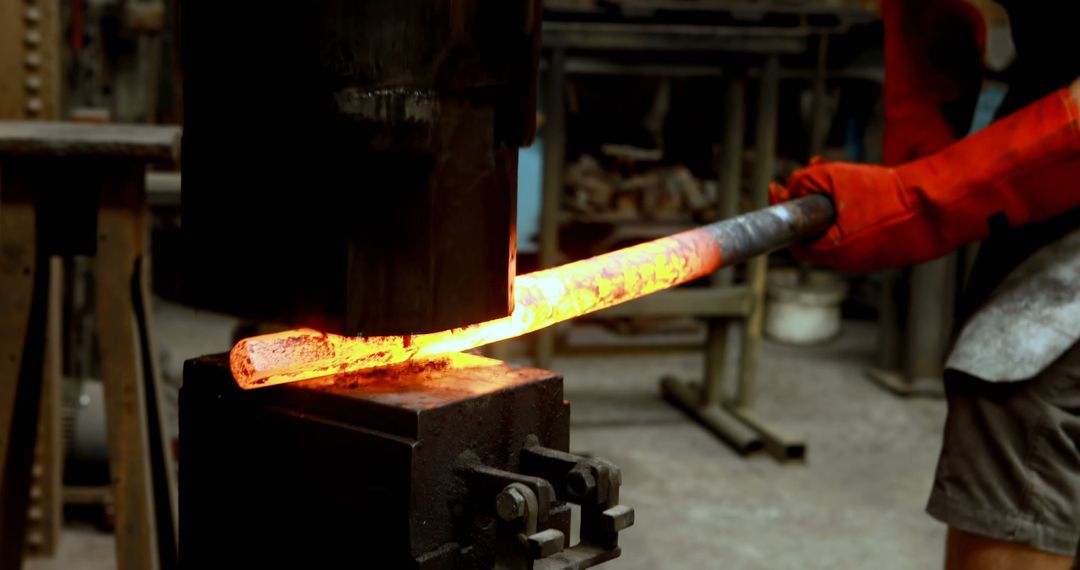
pixel 1019 170
pixel 933 74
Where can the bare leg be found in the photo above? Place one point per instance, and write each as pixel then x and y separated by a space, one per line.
pixel 966 551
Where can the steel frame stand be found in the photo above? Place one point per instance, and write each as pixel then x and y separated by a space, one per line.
pixel 910 357
pixel 732 419
pixel 66 190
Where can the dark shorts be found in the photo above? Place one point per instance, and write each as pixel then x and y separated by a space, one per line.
pixel 1010 462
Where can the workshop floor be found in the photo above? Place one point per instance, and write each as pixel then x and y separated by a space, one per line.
pixel 857 501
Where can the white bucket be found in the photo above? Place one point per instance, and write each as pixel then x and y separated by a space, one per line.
pixel 803 313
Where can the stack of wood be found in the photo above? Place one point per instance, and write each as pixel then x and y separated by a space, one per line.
pixel 595 193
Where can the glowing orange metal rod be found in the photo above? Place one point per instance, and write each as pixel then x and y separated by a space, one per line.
pixel 542 298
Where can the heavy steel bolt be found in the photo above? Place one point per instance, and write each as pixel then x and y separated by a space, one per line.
pixel 510 504
pixel 580 482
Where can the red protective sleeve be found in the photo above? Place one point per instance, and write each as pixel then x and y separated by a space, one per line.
pixel 933 62
pixel 1021 169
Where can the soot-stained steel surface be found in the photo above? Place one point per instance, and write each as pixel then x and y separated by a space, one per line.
pixel 453 463
pixel 352 166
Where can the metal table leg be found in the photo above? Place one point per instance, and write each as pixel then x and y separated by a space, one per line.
pixel 917 355
pixel 732 419
pixel 554 156
pixel 136 450
pixel 757 269
pixel 24 277
pixel 729 167
pixel 45 518
pixel 781 446
pixel 67 192
pixel 705 402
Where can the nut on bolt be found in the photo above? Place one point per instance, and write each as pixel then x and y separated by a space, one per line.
pixel 580 482
pixel 510 504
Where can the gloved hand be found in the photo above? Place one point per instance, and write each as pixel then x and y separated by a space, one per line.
pixel 1021 169
pixel 933 74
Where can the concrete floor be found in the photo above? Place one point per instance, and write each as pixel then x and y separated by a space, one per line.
pixel 857 502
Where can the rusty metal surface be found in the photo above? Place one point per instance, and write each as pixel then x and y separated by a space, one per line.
pixel 30 59
pixel 144 538
pixel 301 475
pixel 379 473
pixel 45 519
pixel 87 206
pixel 673 38
pixel 63 139
pixel 24 271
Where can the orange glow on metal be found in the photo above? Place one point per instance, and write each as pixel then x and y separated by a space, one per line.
pixel 541 299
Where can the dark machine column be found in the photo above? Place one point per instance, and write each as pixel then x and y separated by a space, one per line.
pixel 351 166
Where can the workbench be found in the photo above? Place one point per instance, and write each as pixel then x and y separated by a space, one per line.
pixel 66 190
pixel 735 40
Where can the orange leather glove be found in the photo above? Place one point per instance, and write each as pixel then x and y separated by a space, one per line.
pixel 1021 169
pixel 933 74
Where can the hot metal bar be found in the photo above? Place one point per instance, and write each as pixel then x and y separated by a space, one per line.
pixel 545 297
